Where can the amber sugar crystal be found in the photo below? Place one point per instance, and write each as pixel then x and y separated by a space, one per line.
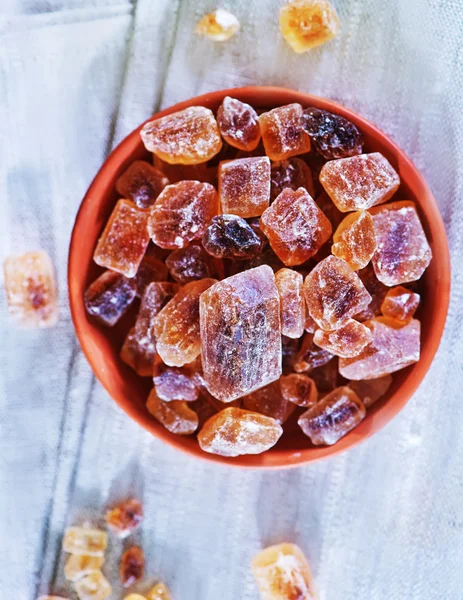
pixel 403 252
pixel 355 240
pixel 176 416
pixel 334 293
pixel 124 240
pixel 176 326
pixel 93 586
pixel 283 134
pixel 292 303
pixel 305 24
pixel 299 389
pixel 109 297
pixel 193 263
pixel 142 183
pixel 159 592
pixel 234 431
pixel 176 383
pixel 241 334
pixel 347 341
pixel 359 182
pixel 292 173
pixel 393 347
pixel 371 390
pixel 31 289
pixel 84 540
pixel 310 356
pixel 400 304
pixel 230 236
pixel 244 186
pixel 269 401
pixel 80 565
pixel 139 357
pixel 282 573
pixel 125 517
pixel 238 124
pixel 132 566
pixel 295 226
pixel 182 213
pixel 219 25
pixel 189 137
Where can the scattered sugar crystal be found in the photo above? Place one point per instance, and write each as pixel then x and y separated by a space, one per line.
pixel 80 565
pixel 219 25
pixel 124 518
pixel 83 540
pixel 94 586
pixel 132 566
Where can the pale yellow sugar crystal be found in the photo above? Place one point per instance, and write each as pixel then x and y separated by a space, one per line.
pixel 159 592
pixel 79 565
pixel 219 25
pixel 94 586
pixel 82 540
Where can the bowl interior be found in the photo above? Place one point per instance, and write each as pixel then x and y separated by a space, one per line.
pixel 101 345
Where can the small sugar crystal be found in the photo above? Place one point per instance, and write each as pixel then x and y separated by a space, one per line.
pixel 269 401
pixel 193 262
pixel 347 341
pixel 219 25
pixel 283 133
pixel 230 236
pixel 299 389
pixel 400 304
pixel 142 183
pixel 355 240
pixel 176 416
pixel 238 124
pixel 93 586
pixel 292 303
pixel 292 173
pixel 83 540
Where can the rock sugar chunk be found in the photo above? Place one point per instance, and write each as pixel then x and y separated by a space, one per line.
pixel 141 183
pixel 269 401
pixel 132 566
pixel 295 226
pixel 84 540
pixel 125 518
pixel 176 383
pixel 334 293
pixel 94 586
pixel 305 24
pixel 182 213
pixel 31 289
pixel 335 415
pixel 283 133
pixel 347 341
pixel 80 565
pixel 331 135
pixel 359 182
pixel 139 357
pixel 124 240
pixel 234 431
pixel 400 304
pixel 230 236
pixel 188 137
pixel 193 263
pixel 292 303
pixel 282 573
pixel 176 326
pixel 238 124
pixel 292 173
pixel 244 186
pixel 299 389
pixel 241 334
pixel 403 253
pixel 159 592
pixel 355 240
pixel 371 390
pixel 176 416
pixel 219 25
pixel 109 297
pixel 394 347
pixel 150 269
pixel 377 291
pixel 310 356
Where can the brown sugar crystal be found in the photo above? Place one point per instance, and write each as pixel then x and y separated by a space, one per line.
pixel 310 356
pixel 292 303
pixel 125 518
pixel 188 137
pixel 244 186
pixel 241 334
pixel 176 383
pixel 192 263
pixel 299 389
pixel 238 124
pixel 124 240
pixel 347 341
pixel 139 357
pixel 283 133
pixel 403 252
pixel 176 416
pixel 31 290
pixel 109 297
pixel 371 390
pixel 400 304
pixel 269 401
pixel 334 293
pixel 176 326
pixel 292 173
pixel 359 182
pixel 333 416
pixel 230 236
pixel 355 240
pixel 182 213
pixel 394 347
pixel 132 566
pixel 295 226
pixel 142 183
pixel 234 431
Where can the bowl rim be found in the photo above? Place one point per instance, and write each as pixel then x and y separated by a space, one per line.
pixel 278 458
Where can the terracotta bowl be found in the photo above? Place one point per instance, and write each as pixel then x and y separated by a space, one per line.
pixel 101 345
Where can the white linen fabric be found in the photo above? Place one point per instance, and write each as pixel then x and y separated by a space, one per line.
pixel 384 520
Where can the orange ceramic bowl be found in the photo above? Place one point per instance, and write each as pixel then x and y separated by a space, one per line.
pixel 101 345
